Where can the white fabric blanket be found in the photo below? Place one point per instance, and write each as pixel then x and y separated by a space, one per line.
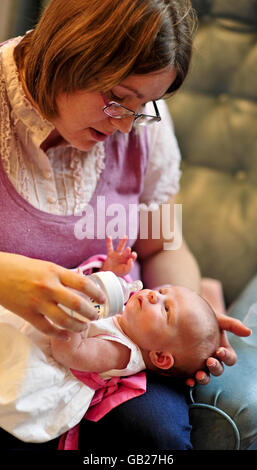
pixel 39 399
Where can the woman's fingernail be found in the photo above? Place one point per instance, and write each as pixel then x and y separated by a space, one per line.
pixel 190 382
pixel 201 380
pixel 221 352
pixel 212 364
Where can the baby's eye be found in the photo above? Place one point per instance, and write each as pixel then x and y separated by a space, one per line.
pixel 167 309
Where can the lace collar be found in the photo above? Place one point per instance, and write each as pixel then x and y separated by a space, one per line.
pixel 22 109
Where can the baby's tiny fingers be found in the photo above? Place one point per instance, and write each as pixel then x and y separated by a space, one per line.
pixel 130 263
pixel 109 245
pixel 122 243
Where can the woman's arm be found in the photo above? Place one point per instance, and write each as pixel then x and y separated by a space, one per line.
pixel 90 354
pixel 162 266
pixel 172 267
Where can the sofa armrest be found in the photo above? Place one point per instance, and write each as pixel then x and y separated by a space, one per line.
pixel 223 414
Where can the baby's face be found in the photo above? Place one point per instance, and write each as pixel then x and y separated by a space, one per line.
pixel 154 319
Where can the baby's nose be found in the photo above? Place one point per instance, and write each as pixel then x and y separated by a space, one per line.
pixel 152 297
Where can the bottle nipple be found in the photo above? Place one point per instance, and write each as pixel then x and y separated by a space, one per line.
pixel 130 287
pixel 137 285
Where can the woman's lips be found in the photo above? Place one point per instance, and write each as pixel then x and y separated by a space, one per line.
pixel 97 135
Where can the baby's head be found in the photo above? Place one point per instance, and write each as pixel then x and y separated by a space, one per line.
pixel 174 327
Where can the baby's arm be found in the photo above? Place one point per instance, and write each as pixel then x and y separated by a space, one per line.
pixel 90 354
pixel 121 260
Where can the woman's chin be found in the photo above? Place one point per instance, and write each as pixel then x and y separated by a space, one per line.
pixel 83 146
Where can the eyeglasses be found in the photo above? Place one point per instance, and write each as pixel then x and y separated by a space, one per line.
pixel 117 111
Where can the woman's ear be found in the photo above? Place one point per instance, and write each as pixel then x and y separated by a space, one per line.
pixel 162 360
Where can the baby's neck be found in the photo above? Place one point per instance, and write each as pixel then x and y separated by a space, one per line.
pixel 144 352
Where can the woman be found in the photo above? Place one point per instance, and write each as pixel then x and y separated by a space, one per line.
pixel 70 92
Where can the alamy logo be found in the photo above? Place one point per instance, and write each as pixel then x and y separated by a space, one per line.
pixel 115 221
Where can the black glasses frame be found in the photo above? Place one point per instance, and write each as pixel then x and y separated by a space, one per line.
pixel 155 118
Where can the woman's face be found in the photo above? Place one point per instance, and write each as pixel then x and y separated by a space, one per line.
pixel 81 120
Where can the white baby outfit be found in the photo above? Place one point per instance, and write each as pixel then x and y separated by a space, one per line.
pixel 44 399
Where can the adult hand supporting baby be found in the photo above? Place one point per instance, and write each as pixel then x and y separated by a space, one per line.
pixel 33 288
pixel 225 353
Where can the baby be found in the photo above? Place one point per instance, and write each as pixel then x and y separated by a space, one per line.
pixel 171 330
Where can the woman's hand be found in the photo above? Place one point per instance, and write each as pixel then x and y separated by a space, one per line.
pixel 33 289
pixel 225 353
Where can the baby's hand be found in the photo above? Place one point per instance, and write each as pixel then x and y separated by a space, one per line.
pixel 121 260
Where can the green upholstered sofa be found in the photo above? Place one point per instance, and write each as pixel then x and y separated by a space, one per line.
pixel 215 118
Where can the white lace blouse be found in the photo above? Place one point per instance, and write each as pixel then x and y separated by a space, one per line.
pixel 62 180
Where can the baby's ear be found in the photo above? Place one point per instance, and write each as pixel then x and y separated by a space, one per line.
pixel 163 360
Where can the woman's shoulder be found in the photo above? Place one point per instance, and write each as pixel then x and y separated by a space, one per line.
pixel 163 171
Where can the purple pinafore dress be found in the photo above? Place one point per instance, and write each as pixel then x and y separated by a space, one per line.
pixel 67 240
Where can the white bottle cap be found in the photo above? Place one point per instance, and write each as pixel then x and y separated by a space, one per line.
pixel 111 285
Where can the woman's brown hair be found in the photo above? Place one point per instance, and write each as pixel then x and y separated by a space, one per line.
pixel 94 45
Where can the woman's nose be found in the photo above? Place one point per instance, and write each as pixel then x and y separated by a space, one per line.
pixel 123 125
pixel 153 297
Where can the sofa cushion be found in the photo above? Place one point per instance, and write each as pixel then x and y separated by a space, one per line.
pixel 215 117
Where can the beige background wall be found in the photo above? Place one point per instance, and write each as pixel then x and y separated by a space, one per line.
pixel 8 16
pixel 8 9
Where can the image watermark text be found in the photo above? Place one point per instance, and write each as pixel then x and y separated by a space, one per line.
pixel 115 220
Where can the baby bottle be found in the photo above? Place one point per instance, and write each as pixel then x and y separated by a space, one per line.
pixel 116 290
